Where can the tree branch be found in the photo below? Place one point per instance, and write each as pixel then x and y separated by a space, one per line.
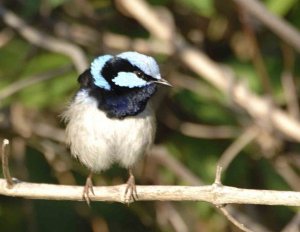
pixel 216 194
pixel 280 27
pixel 5 167
pixel 165 159
pixel 235 148
pixel 44 40
pixel 197 61
pixel 24 83
pixel 233 220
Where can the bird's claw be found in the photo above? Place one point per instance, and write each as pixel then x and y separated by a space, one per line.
pixel 130 191
pixel 87 189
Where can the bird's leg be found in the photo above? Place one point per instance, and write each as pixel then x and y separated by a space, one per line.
pixel 88 188
pixel 130 192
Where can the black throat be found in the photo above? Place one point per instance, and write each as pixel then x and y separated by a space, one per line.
pixel 119 102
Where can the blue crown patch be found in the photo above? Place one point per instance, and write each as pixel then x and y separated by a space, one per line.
pixel 143 62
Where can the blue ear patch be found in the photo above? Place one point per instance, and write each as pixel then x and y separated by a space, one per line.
pixel 129 80
pixel 96 67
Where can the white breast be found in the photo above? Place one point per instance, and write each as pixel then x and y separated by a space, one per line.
pixel 98 141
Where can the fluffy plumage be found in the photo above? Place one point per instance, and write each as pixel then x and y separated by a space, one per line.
pixel 110 120
pixel 98 141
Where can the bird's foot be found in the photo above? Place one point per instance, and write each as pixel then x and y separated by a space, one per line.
pixel 87 189
pixel 130 191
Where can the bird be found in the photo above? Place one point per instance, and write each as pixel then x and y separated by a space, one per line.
pixel 110 119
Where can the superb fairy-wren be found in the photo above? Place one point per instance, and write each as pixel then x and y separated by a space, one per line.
pixel 110 119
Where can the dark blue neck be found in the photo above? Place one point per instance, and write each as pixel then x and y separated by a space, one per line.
pixel 123 102
pixel 119 102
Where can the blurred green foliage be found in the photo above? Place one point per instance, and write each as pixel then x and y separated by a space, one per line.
pixel 204 7
pixel 280 7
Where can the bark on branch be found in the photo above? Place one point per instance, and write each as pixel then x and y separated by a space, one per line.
pixel 215 194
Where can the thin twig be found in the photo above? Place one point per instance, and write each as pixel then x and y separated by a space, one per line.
pixel 207 131
pixel 143 11
pixel 201 64
pixel 233 220
pixel 197 130
pixel 218 175
pixel 45 41
pixel 162 155
pixel 166 212
pixel 293 225
pixel 256 55
pixel 182 172
pixel 280 27
pixel 290 92
pixel 48 131
pixel 5 167
pixel 286 171
pixel 234 148
pixel 121 42
pixel 218 183
pixel 24 83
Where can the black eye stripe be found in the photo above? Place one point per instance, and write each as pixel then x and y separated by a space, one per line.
pixel 117 64
pixel 144 76
pixel 139 74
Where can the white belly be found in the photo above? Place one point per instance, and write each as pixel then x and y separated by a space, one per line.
pixel 98 141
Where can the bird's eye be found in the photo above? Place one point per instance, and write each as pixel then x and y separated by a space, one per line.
pixel 138 73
